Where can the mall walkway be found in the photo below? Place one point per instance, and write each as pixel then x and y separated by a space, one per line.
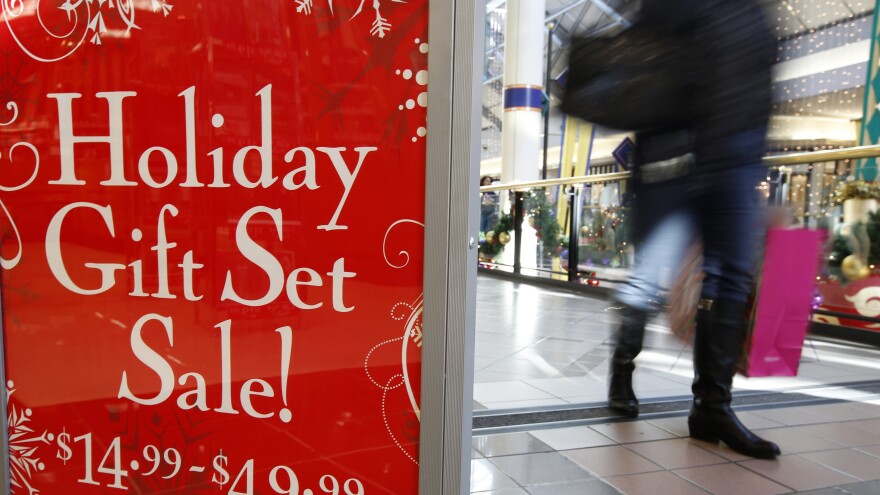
pixel 542 350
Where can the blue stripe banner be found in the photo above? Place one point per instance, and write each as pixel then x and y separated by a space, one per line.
pixel 523 98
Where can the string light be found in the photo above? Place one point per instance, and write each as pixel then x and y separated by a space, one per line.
pixel 803 27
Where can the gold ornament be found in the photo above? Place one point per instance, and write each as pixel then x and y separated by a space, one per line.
pixel 853 268
pixel 532 222
pixel 490 237
pixel 585 230
pixel 504 238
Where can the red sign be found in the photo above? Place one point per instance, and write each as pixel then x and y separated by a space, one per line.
pixel 213 245
pixel 861 298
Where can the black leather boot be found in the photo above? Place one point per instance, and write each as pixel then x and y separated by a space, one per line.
pixel 630 334
pixel 721 327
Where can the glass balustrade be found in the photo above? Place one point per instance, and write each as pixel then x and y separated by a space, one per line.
pixel 579 230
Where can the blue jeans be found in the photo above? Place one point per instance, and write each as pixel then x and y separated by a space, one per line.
pixel 732 226
pixel 720 206
pixel 487 218
pixel 658 257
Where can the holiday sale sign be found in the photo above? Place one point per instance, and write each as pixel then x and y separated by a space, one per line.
pixel 212 245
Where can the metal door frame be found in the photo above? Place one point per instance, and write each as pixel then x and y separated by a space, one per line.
pixel 455 62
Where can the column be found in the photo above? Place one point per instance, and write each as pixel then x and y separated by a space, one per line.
pixel 523 90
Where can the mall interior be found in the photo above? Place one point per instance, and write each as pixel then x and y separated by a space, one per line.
pixel 545 320
pixel 240 254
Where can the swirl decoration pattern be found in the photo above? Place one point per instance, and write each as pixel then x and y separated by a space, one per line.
pixel 402 253
pixel 412 335
pixel 11 263
pixel 12 107
pixel 84 21
pixel 388 428
pixel 406 345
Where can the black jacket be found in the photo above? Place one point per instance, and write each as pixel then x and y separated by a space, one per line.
pixel 734 52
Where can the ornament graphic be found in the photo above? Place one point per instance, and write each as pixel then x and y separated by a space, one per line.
pixel 401 381
pixel 23 446
pixel 380 26
pixel 85 19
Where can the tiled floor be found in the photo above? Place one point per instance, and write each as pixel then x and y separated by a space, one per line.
pixel 538 347
pixel 829 455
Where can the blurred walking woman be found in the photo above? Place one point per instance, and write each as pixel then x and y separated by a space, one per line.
pixel 700 182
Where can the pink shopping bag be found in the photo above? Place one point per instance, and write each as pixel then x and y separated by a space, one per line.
pixel 782 305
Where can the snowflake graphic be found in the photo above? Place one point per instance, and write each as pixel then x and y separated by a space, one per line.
pixel 380 26
pixel 23 446
pixel 416 333
pixel 305 6
pixel 124 9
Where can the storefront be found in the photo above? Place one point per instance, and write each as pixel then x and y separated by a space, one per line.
pixel 237 257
